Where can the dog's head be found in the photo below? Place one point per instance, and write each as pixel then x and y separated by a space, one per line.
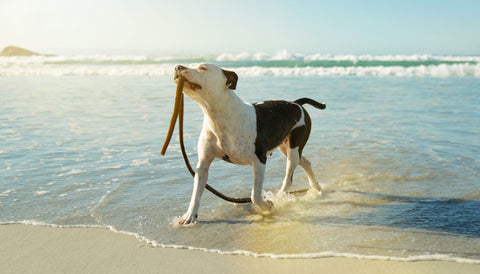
pixel 207 80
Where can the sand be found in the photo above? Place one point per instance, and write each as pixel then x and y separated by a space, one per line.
pixel 43 249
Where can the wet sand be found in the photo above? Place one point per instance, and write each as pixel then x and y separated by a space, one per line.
pixel 43 249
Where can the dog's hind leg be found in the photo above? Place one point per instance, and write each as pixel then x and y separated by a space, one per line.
pixel 307 167
pixel 258 175
pixel 298 139
pixel 293 159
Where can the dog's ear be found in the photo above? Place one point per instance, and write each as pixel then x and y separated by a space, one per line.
pixel 232 79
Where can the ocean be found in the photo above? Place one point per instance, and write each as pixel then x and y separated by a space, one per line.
pixel 396 152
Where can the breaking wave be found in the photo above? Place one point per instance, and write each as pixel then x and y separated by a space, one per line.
pixel 282 63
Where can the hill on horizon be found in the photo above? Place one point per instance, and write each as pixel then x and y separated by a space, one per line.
pixel 18 51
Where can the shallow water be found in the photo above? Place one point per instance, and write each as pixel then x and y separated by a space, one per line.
pixel 397 158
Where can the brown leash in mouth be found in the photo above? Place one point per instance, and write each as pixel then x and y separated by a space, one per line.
pixel 178 113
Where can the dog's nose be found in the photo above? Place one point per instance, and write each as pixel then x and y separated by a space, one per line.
pixel 180 68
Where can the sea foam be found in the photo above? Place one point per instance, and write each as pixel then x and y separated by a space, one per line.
pixel 437 71
pixel 282 63
pixel 285 55
pixel 441 71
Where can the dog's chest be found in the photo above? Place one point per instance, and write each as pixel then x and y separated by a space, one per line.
pixel 235 135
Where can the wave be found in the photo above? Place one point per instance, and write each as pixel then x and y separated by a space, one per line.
pixel 324 254
pixel 438 71
pixel 282 63
pixel 238 57
pixel 285 55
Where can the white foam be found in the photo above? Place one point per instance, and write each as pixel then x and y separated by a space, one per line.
pixel 39 223
pixel 113 167
pixel 440 71
pixel 87 189
pixel 88 70
pixel 71 172
pixel 285 55
pixel 7 193
pixel 437 71
pixel 242 56
pixel 140 162
pixel 41 192
pixel 464 66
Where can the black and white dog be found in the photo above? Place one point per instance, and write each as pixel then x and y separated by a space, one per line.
pixel 244 133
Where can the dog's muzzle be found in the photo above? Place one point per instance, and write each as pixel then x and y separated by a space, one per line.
pixel 178 70
pixel 178 73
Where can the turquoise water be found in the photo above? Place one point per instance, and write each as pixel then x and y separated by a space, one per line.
pixel 397 157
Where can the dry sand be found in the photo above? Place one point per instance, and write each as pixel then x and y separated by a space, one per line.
pixel 42 249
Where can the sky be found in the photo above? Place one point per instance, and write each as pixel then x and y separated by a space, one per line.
pixel 211 26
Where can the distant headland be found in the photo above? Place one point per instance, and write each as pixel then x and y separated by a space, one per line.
pixel 18 51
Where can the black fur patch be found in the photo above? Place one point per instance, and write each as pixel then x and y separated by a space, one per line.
pixel 226 158
pixel 275 120
pixel 299 136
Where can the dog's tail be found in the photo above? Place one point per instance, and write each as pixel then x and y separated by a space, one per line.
pixel 309 101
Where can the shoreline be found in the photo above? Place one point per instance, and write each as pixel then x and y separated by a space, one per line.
pixel 47 249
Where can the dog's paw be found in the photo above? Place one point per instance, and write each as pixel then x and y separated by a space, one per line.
pixel 267 205
pixel 263 205
pixel 270 209
pixel 186 219
pixel 270 204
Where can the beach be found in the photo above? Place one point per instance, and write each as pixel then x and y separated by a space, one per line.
pixel 395 152
pixel 43 249
pixel 87 96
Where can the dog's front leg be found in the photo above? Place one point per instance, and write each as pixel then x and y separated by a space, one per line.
pixel 199 183
pixel 258 175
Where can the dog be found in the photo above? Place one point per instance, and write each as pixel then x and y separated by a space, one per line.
pixel 242 133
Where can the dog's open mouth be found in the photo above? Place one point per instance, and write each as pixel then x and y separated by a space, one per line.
pixel 193 86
